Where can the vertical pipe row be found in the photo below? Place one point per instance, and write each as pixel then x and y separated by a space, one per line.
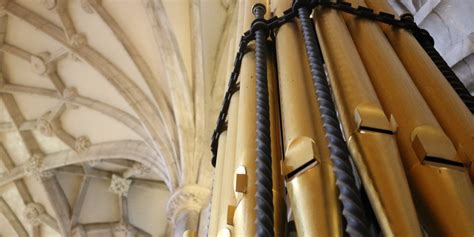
pixel 450 111
pixel 370 136
pixel 349 196
pixel 434 171
pixel 310 182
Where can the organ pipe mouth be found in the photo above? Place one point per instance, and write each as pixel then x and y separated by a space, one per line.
pixel 306 166
pixel 440 162
pixel 376 130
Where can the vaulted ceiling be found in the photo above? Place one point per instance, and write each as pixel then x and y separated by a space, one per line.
pixel 103 112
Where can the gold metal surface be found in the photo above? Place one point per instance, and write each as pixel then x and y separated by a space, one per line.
pixel 244 217
pixel 371 145
pixel 279 210
pixel 444 196
pixel 299 152
pixel 241 180
pixel 230 215
pixel 245 150
pixel 217 186
pixel 312 193
pixel 451 113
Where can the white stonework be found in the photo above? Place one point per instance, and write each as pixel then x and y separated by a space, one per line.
pixel 120 185
pixel 140 170
pixel 189 197
pixel 45 127
pixel 39 65
pixel 49 4
pixel 86 6
pixel 34 167
pixel 33 212
pixel 82 144
pixel 78 231
pixel 70 93
pixel 122 229
pixel 78 40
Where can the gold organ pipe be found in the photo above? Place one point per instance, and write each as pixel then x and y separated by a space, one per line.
pixel 217 186
pixel 443 193
pixel 244 217
pixel 279 205
pixel 312 192
pixel 245 155
pixel 224 196
pixel 227 198
pixel 452 114
pixel 376 154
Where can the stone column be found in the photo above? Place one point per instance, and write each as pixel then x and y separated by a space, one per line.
pixel 184 208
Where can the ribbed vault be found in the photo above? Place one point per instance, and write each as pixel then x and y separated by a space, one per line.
pixel 103 114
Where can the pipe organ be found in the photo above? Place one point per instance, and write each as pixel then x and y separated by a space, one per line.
pixel 340 119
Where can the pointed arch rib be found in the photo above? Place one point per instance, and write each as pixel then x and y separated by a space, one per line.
pixel 124 149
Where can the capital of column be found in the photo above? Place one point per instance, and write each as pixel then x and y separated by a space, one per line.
pixel 187 198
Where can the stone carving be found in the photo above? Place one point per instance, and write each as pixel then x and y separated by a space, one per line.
pixel 45 127
pixel 140 169
pixel 86 6
pixel 39 65
pixel 121 228
pixel 34 167
pixel 82 144
pixel 94 163
pixel 33 213
pixel 49 4
pixel 189 197
pixel 78 231
pixel 73 57
pixel 78 40
pixel 69 94
pixel 120 185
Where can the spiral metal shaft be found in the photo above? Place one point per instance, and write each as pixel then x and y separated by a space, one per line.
pixel 352 208
pixel 448 73
pixel 264 194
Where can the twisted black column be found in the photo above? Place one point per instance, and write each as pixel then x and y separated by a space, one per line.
pixel 352 208
pixel 448 73
pixel 264 194
pixel 427 43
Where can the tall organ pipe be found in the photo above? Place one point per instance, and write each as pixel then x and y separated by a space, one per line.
pixel 428 156
pixel 450 111
pixel 310 182
pixel 369 132
pixel 217 185
pixel 279 205
pixel 223 198
pixel 352 208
